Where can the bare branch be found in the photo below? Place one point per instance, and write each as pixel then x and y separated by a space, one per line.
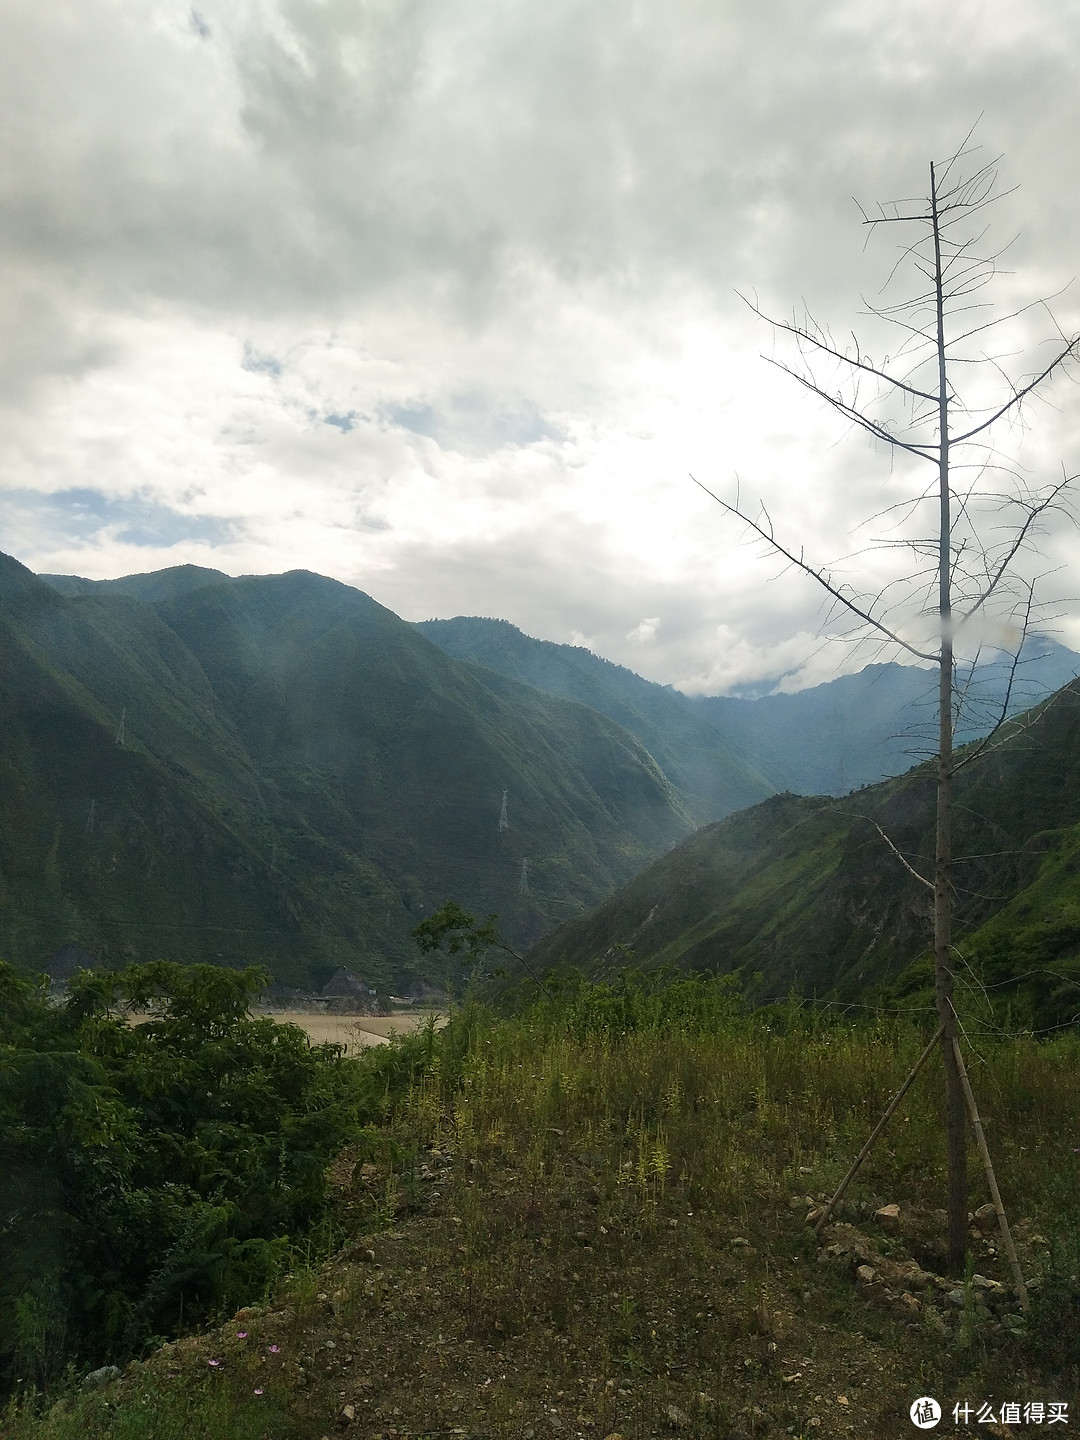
pixel 856 363
pixel 903 861
pixel 1018 540
pixel 822 579
pixel 1020 395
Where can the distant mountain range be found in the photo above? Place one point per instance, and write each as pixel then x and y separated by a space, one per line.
pixel 278 769
pixel 825 740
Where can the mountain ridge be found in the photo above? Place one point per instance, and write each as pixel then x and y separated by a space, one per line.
pixel 281 757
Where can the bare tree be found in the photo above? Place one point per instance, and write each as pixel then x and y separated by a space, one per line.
pixel 986 508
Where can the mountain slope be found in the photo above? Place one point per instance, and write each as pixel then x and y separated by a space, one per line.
pixel 833 738
pixel 279 769
pixel 804 894
pixel 711 774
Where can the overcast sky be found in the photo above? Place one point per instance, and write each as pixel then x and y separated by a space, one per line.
pixel 438 297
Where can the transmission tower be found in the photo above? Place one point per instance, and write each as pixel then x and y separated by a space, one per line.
pixel 120 728
pixel 523 883
pixel 504 824
pixel 90 819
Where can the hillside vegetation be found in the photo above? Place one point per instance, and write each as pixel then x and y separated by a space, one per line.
pixel 590 1219
pixel 723 752
pixel 712 776
pixel 279 770
pixel 806 895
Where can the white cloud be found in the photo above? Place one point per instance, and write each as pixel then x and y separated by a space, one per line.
pixel 645 632
pixel 440 299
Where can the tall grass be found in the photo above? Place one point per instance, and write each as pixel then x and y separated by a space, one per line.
pixel 671 1081
pixel 585 1129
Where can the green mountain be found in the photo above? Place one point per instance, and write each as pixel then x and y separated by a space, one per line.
pixel 277 769
pixel 833 738
pixel 153 585
pixel 724 752
pixel 803 894
pixel 712 775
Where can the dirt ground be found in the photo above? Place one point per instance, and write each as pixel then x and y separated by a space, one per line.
pixel 355 1032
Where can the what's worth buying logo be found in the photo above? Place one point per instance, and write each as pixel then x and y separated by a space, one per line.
pixel 925 1412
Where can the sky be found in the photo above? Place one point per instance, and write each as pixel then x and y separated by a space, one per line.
pixel 447 299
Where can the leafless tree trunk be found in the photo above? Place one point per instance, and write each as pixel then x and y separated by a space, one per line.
pixel 967 573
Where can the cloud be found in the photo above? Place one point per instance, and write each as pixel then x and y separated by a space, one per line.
pixel 646 631
pixel 441 299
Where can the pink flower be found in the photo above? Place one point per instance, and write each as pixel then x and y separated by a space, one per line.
pixel 274 1349
pixel 215 1363
pixel 241 1334
pixel 258 1389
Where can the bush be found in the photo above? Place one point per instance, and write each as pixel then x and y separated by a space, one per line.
pixel 151 1175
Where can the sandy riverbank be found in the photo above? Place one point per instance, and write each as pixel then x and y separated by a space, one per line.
pixel 355 1032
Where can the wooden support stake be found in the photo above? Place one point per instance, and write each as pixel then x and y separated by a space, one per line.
pixel 988 1166
pixel 823 1217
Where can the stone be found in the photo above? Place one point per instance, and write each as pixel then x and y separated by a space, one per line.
pixel 348 1412
pixel 888 1217
pixel 677 1418
pixel 981 1282
pixel 865 1274
pixel 985 1219
pixel 100 1377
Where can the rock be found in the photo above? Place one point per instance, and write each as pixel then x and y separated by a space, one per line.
pixel 100 1377
pixel 981 1282
pixel 910 1302
pixel 348 1412
pixel 677 1418
pixel 814 1215
pixel 985 1219
pixel 888 1217
pixel 957 1297
pixel 740 1240
pixel 866 1275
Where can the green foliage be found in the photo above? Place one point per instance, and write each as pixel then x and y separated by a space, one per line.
pixel 804 893
pixel 303 777
pixel 153 1173
pixel 711 775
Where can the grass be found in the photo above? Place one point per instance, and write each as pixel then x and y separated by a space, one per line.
pixel 590 1220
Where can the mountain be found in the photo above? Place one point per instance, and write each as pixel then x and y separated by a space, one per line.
pixel 833 738
pixel 154 585
pixel 804 894
pixel 712 776
pixel 722 753
pixel 278 769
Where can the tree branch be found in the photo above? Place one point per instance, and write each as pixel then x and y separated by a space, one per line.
pixel 817 575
